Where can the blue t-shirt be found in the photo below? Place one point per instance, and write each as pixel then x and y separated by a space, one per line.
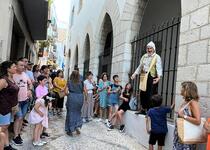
pixel 114 97
pixel 158 117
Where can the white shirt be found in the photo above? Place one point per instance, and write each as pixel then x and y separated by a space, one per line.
pixel 145 64
pixel 89 86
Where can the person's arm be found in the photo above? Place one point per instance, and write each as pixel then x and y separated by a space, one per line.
pixel 123 98
pixel 148 124
pixel 100 86
pixel 66 90
pixel 50 83
pixel 196 115
pixel 207 126
pixel 173 105
pixel 36 108
pixel 110 89
pixel 138 70
pixel 32 77
pixel 3 84
pixel 55 83
pixel 30 85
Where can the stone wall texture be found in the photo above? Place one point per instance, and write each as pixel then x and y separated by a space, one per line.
pixel 194 50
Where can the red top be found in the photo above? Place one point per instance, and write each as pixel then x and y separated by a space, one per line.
pixel 8 97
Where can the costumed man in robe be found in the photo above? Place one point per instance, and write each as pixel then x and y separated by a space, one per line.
pixel 150 70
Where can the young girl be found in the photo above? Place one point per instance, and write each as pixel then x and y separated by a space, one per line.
pixel 118 116
pixel 103 94
pixel 39 117
pixel 41 89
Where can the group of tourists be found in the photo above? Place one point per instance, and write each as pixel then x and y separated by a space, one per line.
pixel 40 90
pixel 27 88
pixel 87 100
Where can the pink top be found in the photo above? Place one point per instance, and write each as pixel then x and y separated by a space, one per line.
pixel 41 91
pixel 35 118
pixel 22 81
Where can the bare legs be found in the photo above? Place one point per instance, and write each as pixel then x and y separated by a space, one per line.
pixel 4 133
pixel 18 126
pixel 37 132
pixel 151 147
pixel 117 117
pixel 3 140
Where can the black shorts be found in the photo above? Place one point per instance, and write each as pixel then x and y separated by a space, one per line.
pixel 160 137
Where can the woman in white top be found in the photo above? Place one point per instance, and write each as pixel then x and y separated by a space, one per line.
pixel 87 108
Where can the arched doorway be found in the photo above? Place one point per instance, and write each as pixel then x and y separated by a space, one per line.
pixel 68 65
pixel 162 27
pixel 105 57
pixel 76 62
pixel 87 55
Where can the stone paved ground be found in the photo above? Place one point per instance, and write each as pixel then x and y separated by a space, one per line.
pixel 94 136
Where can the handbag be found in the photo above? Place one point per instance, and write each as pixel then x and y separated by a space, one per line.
pixel 190 133
pixel 144 76
pixel 133 103
pixel 62 94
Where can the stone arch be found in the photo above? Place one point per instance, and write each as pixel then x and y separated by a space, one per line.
pixel 76 56
pixel 86 55
pixel 106 43
pixel 88 31
pixel 114 14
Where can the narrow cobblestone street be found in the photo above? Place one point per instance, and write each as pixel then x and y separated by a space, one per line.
pixel 94 136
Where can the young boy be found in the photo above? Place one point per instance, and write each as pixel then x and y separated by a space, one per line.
pixel 114 92
pixel 156 122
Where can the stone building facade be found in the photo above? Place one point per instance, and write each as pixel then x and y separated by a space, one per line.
pixel 101 33
pixel 22 23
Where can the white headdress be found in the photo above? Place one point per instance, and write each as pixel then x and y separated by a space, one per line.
pixel 151 44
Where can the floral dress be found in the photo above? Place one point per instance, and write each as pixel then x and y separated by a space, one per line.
pixel 103 94
pixel 176 142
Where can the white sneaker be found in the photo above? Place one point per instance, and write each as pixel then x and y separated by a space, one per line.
pixel 44 142
pixel 107 122
pixel 99 120
pixel 84 120
pixel 38 143
pixel 90 119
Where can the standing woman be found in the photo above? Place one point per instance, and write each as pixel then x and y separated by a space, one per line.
pixel 8 98
pixel 74 104
pixel 36 72
pixel 189 110
pixel 103 92
pixel 59 88
pixel 87 108
pixel 151 65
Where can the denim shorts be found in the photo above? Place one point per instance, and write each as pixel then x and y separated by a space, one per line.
pixel 6 119
pixel 23 108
